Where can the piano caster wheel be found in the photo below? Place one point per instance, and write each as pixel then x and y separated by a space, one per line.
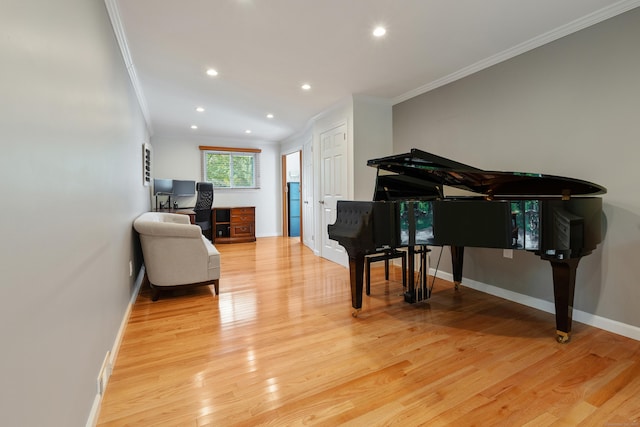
pixel 562 337
pixel 456 286
pixel 355 312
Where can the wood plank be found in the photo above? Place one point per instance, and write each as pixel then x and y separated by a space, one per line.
pixel 279 346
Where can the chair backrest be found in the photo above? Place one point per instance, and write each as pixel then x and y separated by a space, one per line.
pixel 205 195
pixel 204 202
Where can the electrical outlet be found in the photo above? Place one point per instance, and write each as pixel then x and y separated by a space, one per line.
pixel 100 385
pixel 507 253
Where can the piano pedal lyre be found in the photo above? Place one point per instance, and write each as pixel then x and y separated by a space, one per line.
pixel 422 294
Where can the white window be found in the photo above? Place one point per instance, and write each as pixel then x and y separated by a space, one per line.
pixel 225 168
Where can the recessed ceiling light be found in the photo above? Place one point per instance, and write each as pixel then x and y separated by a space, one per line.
pixel 199 109
pixel 247 131
pixel 211 72
pixel 194 127
pixel 306 86
pixel 379 31
pixel 269 116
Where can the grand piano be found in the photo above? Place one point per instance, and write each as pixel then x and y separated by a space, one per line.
pixel 557 218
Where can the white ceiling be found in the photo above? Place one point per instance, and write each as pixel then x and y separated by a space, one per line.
pixel 264 50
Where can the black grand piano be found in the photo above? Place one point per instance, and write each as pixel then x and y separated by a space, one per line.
pixel 555 217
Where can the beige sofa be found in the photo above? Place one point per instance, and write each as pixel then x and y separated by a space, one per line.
pixel 175 252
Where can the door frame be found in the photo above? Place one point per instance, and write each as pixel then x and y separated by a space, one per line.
pixel 308 194
pixel 284 189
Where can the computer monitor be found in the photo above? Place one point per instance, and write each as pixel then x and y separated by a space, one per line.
pixel 162 186
pixel 184 188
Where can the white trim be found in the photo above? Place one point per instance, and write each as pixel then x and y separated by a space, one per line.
pixel 599 322
pixel 564 30
pixel 97 401
pixel 118 29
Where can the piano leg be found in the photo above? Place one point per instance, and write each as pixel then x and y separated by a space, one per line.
pixel 564 282
pixel 356 270
pixel 457 257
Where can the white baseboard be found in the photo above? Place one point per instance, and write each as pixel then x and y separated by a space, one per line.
pixel 97 401
pixel 599 322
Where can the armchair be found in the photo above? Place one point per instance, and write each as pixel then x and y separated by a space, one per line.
pixel 175 253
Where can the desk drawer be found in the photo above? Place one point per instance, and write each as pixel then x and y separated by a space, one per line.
pixel 242 230
pixel 242 216
pixel 236 223
pixel 242 219
pixel 243 211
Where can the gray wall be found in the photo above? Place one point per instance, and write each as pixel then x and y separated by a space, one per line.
pixel 70 172
pixel 569 108
pixel 372 138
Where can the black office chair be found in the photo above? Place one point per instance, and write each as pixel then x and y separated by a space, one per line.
pixel 204 202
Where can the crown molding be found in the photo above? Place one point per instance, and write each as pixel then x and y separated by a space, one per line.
pixel 572 27
pixel 118 29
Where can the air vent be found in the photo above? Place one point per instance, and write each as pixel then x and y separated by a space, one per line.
pixel 146 164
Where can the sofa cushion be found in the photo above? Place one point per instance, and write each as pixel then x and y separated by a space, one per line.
pixel 166 224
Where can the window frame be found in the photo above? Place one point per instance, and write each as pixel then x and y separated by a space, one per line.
pixel 231 152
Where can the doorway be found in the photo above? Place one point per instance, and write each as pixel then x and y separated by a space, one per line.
pixel 292 216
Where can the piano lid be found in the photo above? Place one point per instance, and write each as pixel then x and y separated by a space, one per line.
pixel 441 171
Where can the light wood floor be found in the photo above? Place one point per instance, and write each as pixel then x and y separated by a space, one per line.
pixel 279 347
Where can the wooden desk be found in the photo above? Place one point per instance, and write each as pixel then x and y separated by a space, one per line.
pixel 234 225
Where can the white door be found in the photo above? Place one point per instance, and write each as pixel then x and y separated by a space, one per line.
pixel 307 197
pixel 333 154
